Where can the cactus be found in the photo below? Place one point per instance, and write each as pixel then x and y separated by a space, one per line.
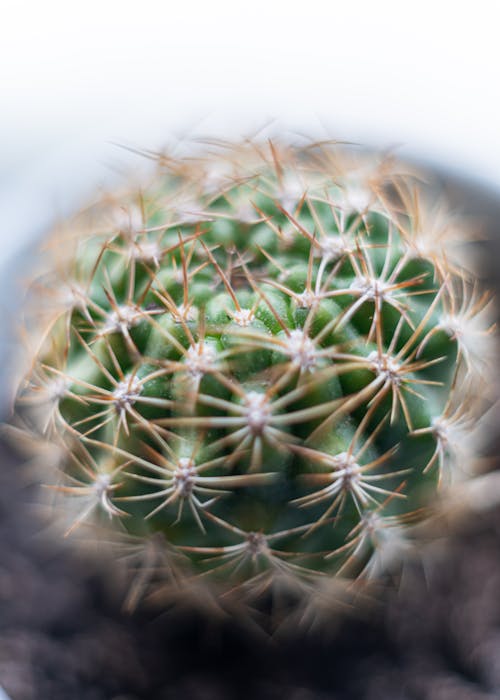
pixel 258 370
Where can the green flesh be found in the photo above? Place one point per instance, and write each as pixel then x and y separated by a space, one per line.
pixel 267 264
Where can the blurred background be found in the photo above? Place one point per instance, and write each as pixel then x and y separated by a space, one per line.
pixel 79 80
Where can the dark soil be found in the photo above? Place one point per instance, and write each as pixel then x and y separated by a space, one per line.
pixel 63 636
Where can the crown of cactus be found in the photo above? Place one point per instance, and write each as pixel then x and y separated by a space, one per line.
pixel 258 367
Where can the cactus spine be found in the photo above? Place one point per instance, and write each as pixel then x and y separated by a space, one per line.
pixel 260 366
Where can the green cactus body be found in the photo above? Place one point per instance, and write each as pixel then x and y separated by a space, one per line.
pixel 275 378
